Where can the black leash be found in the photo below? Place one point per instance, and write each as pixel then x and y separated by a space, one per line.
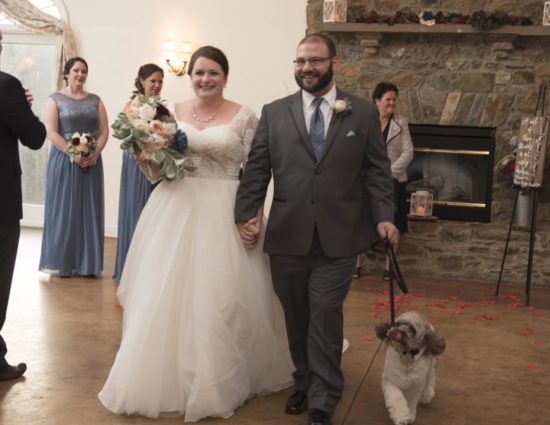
pixel 395 273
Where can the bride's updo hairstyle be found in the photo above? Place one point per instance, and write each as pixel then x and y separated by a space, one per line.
pixel 70 63
pixel 144 72
pixel 212 53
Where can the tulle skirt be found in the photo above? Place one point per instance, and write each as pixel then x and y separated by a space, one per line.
pixel 203 330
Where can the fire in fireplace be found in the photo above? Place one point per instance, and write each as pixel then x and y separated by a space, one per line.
pixel 456 165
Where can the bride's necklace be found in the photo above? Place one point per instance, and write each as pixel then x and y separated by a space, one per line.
pixel 207 119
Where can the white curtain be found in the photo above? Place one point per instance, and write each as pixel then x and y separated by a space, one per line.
pixel 28 17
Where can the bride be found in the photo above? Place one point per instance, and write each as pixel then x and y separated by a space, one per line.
pixel 202 329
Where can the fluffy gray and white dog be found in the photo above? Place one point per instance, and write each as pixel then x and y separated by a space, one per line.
pixel 409 369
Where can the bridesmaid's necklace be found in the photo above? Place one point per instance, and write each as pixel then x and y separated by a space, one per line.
pixel 207 119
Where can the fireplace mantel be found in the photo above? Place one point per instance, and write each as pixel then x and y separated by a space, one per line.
pixel 514 30
pixel 372 34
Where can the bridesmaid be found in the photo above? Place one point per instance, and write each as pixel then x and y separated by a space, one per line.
pixel 134 186
pixel 72 243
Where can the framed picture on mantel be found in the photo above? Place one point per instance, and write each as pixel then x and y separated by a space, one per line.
pixel 546 13
pixel 335 10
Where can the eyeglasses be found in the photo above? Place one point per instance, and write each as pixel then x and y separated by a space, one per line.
pixel 301 62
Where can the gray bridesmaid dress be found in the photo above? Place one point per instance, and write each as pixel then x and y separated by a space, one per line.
pixel 72 242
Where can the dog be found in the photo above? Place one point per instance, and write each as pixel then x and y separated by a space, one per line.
pixel 409 368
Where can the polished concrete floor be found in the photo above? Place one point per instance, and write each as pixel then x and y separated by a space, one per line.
pixel 496 369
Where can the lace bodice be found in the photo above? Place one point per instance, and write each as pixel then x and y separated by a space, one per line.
pixel 219 152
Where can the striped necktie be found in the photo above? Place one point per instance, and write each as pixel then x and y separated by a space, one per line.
pixel 317 128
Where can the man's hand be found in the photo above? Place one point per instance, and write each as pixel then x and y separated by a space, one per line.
pixel 29 97
pixel 387 230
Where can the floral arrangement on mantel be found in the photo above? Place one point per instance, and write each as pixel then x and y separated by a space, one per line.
pixel 479 20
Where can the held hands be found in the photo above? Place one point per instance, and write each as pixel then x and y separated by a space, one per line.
pixel 250 232
pixel 387 230
pixel 29 97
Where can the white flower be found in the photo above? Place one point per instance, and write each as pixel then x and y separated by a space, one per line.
pixel 169 128
pixel 141 124
pixel 147 112
pixel 340 106
pixel 132 113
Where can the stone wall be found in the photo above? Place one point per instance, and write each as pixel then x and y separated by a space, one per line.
pixel 481 79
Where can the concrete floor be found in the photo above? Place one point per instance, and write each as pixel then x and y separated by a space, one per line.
pixel 496 369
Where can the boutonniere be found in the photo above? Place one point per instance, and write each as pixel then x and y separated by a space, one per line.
pixel 342 107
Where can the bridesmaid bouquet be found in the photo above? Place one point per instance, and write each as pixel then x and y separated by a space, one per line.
pixel 150 135
pixel 81 145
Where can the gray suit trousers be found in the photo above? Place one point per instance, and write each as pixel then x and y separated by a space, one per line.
pixel 312 289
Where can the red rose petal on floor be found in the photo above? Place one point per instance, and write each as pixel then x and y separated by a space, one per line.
pixel 457 313
pixel 464 339
pixel 537 341
pixel 538 314
pixel 454 298
pixel 485 317
pixel 526 331
pixel 532 366
pixel 367 339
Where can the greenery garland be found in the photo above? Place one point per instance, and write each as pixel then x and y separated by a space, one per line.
pixel 480 20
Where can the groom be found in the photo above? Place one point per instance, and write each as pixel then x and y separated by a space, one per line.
pixel 332 194
pixel 17 123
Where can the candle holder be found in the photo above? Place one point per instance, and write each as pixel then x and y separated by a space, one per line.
pixel 422 203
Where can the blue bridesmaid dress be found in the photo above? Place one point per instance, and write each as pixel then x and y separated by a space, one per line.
pixel 134 193
pixel 72 242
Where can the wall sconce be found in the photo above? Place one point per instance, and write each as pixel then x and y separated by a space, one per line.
pixel 176 56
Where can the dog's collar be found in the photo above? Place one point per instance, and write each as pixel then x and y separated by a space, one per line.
pixel 415 353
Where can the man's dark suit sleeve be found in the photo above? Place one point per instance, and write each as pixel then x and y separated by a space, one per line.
pixel 17 116
pixel 256 175
pixel 378 178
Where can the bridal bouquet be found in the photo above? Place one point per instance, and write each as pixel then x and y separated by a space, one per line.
pixel 150 134
pixel 81 145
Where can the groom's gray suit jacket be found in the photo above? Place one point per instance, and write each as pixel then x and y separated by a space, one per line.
pixel 346 193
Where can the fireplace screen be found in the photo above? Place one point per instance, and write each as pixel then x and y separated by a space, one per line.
pixel 455 164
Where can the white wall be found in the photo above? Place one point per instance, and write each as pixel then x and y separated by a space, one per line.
pixel 259 38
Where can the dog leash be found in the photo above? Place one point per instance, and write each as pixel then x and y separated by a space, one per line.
pixel 395 273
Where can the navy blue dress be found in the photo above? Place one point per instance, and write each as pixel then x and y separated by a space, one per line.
pixel 134 193
pixel 72 242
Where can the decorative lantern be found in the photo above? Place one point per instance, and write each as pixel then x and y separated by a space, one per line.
pixel 422 203
pixel 335 10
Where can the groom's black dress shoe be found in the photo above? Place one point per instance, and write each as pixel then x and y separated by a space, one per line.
pixel 319 417
pixel 8 372
pixel 296 403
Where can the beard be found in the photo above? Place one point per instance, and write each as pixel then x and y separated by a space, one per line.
pixel 323 80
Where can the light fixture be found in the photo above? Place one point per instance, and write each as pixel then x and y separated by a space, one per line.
pixel 176 56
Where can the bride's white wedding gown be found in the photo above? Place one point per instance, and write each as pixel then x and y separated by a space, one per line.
pixel 203 330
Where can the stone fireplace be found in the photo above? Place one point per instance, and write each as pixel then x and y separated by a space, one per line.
pixel 454 75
